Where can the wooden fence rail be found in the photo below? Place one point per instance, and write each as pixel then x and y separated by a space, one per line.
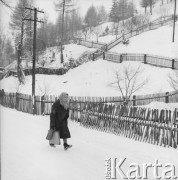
pixel 90 44
pixel 147 27
pixel 102 48
pixel 158 127
pixel 145 58
pixel 43 104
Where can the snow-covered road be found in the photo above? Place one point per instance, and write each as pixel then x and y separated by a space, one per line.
pixel 26 155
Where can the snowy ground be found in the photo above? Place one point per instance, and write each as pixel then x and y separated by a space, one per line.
pixel 158 11
pixel 70 51
pixel 51 57
pixel 26 155
pixel 93 79
pixel 156 42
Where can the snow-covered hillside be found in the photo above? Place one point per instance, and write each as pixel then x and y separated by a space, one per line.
pixel 93 79
pixel 96 78
pixel 156 42
pixel 51 57
pixel 158 10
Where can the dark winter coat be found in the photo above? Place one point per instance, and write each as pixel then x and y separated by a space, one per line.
pixel 58 119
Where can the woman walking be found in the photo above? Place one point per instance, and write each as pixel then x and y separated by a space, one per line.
pixel 58 118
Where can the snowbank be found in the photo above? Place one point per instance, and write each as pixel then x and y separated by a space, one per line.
pixel 162 105
pixel 93 79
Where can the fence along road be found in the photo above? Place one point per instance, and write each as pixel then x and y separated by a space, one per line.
pixel 159 127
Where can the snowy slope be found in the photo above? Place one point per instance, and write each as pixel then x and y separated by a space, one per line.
pixel 156 42
pixel 158 10
pixel 93 79
pixel 52 55
pixel 26 155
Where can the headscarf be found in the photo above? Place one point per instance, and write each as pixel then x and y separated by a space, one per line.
pixel 63 102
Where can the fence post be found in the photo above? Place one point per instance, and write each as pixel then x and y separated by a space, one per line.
pixel 144 58
pixel 149 25
pixel 121 58
pixel 173 63
pixel 17 101
pixel 134 100
pixel 103 55
pixel 93 56
pixel 106 49
pixel 2 96
pixel 167 97
pixel 43 105
pixel 34 111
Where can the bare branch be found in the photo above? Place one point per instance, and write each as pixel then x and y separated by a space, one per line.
pixel 129 81
pixel 118 82
pixel 173 81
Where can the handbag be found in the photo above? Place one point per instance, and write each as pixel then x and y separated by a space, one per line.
pixel 55 138
pixel 50 134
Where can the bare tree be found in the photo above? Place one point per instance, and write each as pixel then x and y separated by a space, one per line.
pixel 116 29
pixel 141 20
pixel 173 81
pixel 96 31
pixel 2 48
pixel 129 25
pixel 17 86
pixel 129 80
pixel 44 88
pixel 85 32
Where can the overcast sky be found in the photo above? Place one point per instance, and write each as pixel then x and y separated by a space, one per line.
pixel 83 5
pixel 48 6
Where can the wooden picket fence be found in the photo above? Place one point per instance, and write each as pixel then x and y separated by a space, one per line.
pixel 43 104
pixel 90 44
pixel 158 127
pixel 38 70
pixel 153 60
pixel 54 71
pixel 162 21
pixel 102 48
pixel 154 126
pixel 23 102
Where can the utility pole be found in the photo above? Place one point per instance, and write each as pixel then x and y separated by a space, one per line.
pixel 174 21
pixel 63 10
pixel 34 53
